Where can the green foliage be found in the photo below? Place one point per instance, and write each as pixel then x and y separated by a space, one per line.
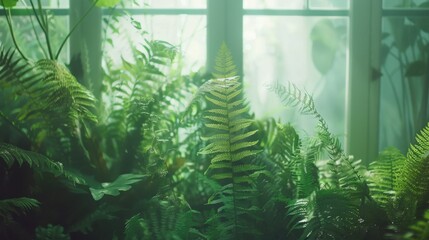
pixel 414 177
pixel 122 183
pixel 17 206
pixel 383 176
pixel 231 149
pixel 164 219
pixel 136 228
pixel 11 154
pixel 58 101
pixel 328 214
pixel 419 230
pixel 51 232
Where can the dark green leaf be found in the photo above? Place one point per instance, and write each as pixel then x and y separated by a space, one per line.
pixel 416 68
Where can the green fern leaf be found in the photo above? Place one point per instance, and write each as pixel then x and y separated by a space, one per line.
pixel 414 177
pixel 383 176
pixel 418 230
pixel 17 206
pixel 231 146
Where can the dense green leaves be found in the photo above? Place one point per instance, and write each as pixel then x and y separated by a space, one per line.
pixel 231 149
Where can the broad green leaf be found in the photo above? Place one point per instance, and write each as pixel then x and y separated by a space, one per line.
pixel 122 183
pixel 8 3
pixel 107 3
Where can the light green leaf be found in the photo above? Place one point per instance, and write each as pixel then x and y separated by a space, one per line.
pixel 107 3
pixel 8 3
pixel 122 183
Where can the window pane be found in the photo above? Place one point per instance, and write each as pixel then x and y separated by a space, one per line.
pixel 166 3
pixel 330 4
pixel 187 32
pixel 289 4
pixel 307 51
pixel 405 3
pixel 404 83
pixel 296 4
pixel 46 3
pixel 34 44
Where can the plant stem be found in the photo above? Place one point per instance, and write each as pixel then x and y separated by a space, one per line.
pixel 43 24
pixel 74 28
pixel 45 54
pixel 12 33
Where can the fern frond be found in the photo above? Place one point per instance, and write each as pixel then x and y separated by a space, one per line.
pixel 136 228
pixel 167 220
pixel 325 214
pixel 13 69
pixel 414 177
pixel 345 171
pixel 62 96
pixel 231 148
pixel 51 232
pixel 383 176
pixel 17 206
pixel 418 230
pixel 11 154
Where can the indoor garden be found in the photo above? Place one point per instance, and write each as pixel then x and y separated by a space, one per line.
pixel 214 119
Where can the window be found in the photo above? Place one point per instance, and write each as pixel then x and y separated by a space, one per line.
pixel 363 61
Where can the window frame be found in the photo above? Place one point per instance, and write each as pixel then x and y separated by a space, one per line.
pixel 225 24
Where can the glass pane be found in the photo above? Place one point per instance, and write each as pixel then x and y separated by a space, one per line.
pixel 329 4
pixel 32 44
pixel 289 4
pixel 404 83
pixel 406 3
pixel 309 52
pixel 45 3
pixel 166 3
pixel 187 32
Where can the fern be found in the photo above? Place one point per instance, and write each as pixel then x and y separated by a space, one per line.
pixel 418 230
pixel 51 232
pixel 345 172
pixel 164 219
pixel 54 98
pixel 136 228
pixel 383 176
pixel 414 177
pixel 17 206
pixel 230 148
pixel 325 214
pixel 11 154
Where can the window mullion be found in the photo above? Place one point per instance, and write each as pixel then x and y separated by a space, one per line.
pixel 85 45
pixel 362 121
pixel 225 24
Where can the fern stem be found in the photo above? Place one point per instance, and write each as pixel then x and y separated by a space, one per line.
pixel 45 54
pixel 12 33
pixel 43 25
pixel 74 28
